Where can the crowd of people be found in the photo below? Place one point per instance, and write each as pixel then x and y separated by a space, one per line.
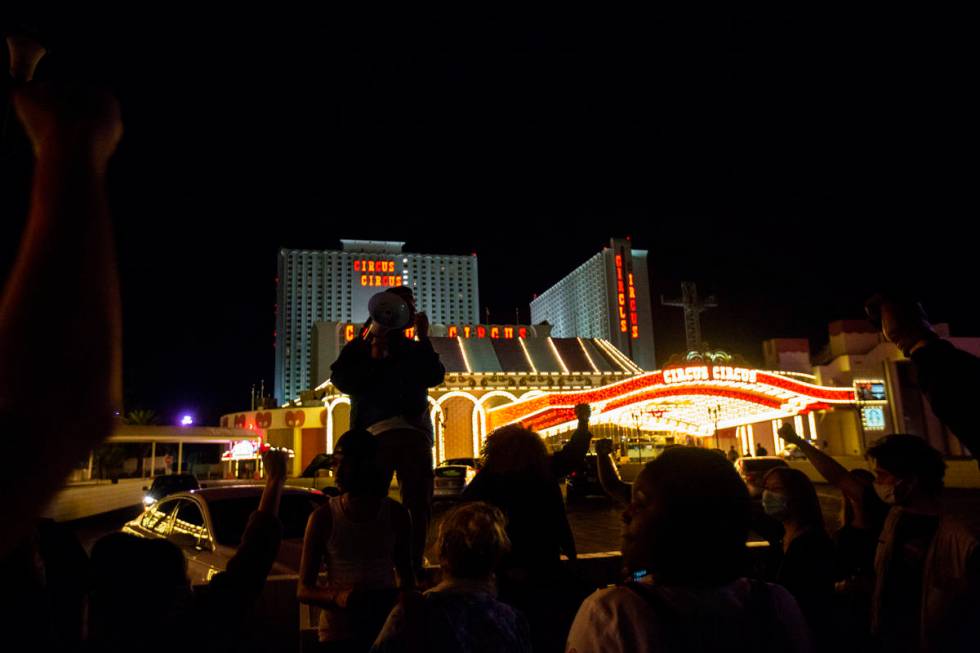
pixel 900 575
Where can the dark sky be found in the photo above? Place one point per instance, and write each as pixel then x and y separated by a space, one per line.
pixel 789 163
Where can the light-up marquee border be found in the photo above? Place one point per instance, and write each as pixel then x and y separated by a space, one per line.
pixel 769 394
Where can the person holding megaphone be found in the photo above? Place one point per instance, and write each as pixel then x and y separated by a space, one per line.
pixel 387 376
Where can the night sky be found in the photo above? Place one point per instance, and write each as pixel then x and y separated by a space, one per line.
pixel 791 164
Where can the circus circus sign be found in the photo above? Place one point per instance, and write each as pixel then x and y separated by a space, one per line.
pixel 695 400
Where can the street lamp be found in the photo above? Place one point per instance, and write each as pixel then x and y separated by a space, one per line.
pixel 714 412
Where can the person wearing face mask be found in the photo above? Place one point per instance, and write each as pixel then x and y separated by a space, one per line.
pixel 807 565
pixel 863 515
pixel 927 569
pixel 684 534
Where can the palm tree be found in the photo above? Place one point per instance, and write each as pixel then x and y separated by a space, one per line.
pixel 142 417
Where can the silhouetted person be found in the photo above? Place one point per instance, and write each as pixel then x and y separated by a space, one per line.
pixel 61 291
pixel 461 614
pixel 732 454
pixel 806 568
pixel 66 253
pixel 518 476
pixel 388 377
pixel 926 564
pixel 136 580
pixel 855 543
pixel 857 540
pixel 684 536
pixel 363 538
pixel 947 376
pixel 760 450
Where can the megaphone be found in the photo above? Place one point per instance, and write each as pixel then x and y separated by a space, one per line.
pixel 388 312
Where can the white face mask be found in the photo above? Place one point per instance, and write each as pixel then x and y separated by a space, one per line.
pixel 886 493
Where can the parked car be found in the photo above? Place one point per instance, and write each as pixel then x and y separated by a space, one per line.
pixel 164 486
pixel 584 481
pixel 792 452
pixel 753 470
pixel 451 479
pixel 208 525
pixel 318 475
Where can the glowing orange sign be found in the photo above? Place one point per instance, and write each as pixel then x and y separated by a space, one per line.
pixel 621 297
pixel 377 273
pixel 625 291
pixel 635 330
pixel 364 265
pixel 454 331
pixel 387 280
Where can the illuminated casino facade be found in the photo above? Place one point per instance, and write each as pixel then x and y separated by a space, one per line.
pixel 318 286
pixel 606 297
pixel 519 374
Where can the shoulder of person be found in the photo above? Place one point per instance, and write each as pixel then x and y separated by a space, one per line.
pixel 322 516
pixel 955 532
pixel 397 510
pixel 607 602
pixel 596 625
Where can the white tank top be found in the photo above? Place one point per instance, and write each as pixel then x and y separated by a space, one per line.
pixel 359 554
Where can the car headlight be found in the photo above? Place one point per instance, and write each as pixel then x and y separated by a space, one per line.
pixel 148 500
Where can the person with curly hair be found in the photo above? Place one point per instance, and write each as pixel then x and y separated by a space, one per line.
pixel 462 612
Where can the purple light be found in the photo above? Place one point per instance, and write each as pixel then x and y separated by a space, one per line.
pixel 186 420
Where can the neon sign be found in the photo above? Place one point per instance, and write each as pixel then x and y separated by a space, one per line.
pixel 621 294
pixel 634 330
pixel 377 273
pixel 364 265
pixel 873 418
pixel 243 450
pixel 626 298
pixel 375 280
pixel 713 373
pixel 870 390
pixel 495 332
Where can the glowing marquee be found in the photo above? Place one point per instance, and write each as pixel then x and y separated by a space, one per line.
pixel 243 450
pixel 706 373
pixel 680 399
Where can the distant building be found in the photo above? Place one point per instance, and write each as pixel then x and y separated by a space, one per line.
pixel 606 297
pixel 335 285
pixel 888 397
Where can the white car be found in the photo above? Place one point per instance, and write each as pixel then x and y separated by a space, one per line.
pixel 792 452
pixel 208 524
pixel 450 480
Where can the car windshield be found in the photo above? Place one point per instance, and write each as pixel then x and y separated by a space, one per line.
pixel 449 472
pixel 230 516
pixel 761 465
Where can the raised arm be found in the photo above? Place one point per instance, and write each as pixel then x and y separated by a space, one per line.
pixel 609 477
pixel 835 473
pixel 572 455
pixel 60 326
pixel 233 592
pixel 946 375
